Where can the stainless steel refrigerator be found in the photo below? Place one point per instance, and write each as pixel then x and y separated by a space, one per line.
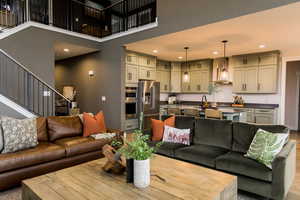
pixel 148 102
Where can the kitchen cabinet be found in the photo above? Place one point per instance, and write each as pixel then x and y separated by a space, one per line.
pixel 163 77
pixel 267 80
pixel 265 116
pixel 175 84
pixel 132 74
pixel 245 80
pixel 132 58
pixel 256 73
pixel 147 61
pixel 146 73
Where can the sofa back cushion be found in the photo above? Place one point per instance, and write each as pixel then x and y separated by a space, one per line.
pixel 243 134
pixel 61 127
pixel 41 126
pixel 213 132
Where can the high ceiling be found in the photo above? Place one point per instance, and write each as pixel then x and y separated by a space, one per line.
pixel 277 29
pixel 74 50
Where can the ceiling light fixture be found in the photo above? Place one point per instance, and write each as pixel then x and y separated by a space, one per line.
pixel 155 51
pixel 66 50
pixel 262 46
pixel 186 74
pixel 180 57
pixel 215 52
pixel 224 75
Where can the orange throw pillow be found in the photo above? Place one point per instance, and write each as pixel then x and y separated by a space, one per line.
pixel 158 127
pixel 93 124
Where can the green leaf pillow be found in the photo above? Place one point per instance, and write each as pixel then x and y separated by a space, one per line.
pixel 265 146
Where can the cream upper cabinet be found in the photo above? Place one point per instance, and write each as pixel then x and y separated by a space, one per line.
pixel 245 80
pixel 256 73
pixel 267 79
pixel 147 61
pixel 196 81
pixel 163 77
pixel 146 73
pixel 175 82
pixel 251 79
pixel 175 85
pixel 205 77
pixel 268 59
pixel 132 74
pixel 246 60
pixel 132 58
pixel 239 80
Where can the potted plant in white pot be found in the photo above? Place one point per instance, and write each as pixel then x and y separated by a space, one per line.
pixel 139 150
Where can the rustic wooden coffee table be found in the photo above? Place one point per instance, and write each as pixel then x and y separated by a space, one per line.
pixel 177 180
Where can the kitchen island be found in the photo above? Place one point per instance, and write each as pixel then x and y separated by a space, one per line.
pixel 197 111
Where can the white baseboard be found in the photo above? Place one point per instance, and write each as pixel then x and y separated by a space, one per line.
pixel 16 107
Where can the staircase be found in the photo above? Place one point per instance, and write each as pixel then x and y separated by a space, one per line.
pixel 27 90
pixel 79 16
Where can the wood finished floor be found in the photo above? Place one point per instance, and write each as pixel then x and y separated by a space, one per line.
pixel 294 193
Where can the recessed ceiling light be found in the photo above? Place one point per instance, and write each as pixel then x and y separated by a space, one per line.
pixel 180 57
pixel 215 52
pixel 155 51
pixel 262 46
pixel 66 50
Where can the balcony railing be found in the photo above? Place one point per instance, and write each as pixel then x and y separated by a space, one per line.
pixel 81 16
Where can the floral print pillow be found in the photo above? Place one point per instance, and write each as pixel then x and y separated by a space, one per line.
pixel 175 135
pixel 18 134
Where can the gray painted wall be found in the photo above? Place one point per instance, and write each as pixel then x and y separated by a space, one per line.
pixel 33 47
pixel 74 71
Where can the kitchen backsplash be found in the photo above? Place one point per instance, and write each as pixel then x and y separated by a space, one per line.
pixel 225 95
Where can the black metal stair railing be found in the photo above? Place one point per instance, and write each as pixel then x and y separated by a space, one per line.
pixel 80 16
pixel 23 87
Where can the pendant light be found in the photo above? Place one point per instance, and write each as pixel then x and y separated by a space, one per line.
pixel 224 76
pixel 186 74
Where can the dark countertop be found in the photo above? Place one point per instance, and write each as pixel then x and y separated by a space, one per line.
pixel 227 104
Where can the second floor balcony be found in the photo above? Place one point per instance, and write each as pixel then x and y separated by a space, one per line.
pixel 97 18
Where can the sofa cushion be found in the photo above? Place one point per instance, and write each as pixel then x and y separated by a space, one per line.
pixel 213 132
pixel 41 126
pixel 200 154
pixel 61 127
pixel 167 148
pixel 236 163
pixel 18 134
pixel 243 134
pixel 80 145
pixel 43 152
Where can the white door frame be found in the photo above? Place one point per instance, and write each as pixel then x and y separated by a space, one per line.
pixel 285 60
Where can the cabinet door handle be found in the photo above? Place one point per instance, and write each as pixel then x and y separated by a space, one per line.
pixel 148 61
pixel 245 86
pixel 258 86
pixel 199 87
pixel 166 87
pixel 189 88
pixel 148 74
pixel 130 76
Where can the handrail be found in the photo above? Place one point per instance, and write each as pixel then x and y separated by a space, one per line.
pixel 35 76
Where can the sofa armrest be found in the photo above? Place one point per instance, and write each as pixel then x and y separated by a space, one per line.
pixel 284 170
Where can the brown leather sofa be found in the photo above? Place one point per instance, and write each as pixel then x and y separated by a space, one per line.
pixel 61 145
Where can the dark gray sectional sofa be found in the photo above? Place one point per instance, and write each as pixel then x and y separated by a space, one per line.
pixel 221 144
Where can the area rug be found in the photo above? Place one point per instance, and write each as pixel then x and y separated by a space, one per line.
pixel 16 194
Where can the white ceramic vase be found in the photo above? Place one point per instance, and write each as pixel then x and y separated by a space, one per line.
pixel 141 171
